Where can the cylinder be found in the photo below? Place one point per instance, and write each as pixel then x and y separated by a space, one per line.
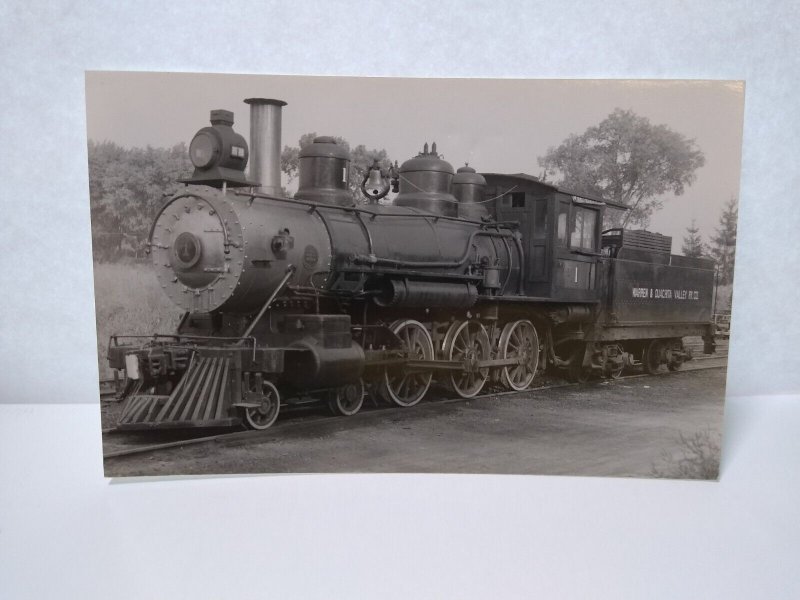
pixel 319 366
pixel 265 143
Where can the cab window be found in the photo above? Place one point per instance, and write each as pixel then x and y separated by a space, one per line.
pixel 540 218
pixel 515 200
pixel 584 229
pixel 561 223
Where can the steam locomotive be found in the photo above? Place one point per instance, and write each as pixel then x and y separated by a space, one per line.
pixel 464 280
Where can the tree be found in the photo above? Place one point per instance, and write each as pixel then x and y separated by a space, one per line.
pixel 723 244
pixel 626 159
pixel 693 243
pixel 126 188
pixel 361 159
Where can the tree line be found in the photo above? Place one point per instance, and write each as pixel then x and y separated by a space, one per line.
pixel 127 186
pixel 722 246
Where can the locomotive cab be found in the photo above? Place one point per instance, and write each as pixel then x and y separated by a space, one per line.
pixel 562 233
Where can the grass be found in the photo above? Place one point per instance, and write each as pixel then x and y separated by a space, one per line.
pixel 698 458
pixel 129 300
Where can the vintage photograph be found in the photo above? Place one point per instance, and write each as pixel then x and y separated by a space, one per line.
pixel 391 275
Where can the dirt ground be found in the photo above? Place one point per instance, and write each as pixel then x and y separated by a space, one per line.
pixel 638 427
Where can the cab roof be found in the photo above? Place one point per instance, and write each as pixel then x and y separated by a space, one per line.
pixel 555 188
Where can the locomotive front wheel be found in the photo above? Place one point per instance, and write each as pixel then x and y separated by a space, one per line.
pixel 347 400
pixel 651 360
pixel 519 340
pixel 269 403
pixel 469 344
pixel 401 385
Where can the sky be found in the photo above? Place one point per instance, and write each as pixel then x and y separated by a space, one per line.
pixel 497 125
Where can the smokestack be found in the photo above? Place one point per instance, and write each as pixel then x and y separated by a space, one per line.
pixel 265 143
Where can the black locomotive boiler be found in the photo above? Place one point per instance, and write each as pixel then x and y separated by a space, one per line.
pixel 464 279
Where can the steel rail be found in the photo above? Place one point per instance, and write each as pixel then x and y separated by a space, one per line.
pixel 255 436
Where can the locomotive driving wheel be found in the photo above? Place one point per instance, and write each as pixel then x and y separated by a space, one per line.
pixel 520 341
pixel 405 386
pixel 348 399
pixel 468 343
pixel 264 401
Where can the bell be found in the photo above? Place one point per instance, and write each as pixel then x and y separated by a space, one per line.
pixel 375 181
pixel 374 185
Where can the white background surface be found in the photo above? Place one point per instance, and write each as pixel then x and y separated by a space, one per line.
pixel 65 532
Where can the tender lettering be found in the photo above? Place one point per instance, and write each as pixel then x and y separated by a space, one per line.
pixel 664 294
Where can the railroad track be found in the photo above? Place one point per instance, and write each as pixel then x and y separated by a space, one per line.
pixel 299 423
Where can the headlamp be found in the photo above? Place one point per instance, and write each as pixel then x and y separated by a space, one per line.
pixel 203 150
